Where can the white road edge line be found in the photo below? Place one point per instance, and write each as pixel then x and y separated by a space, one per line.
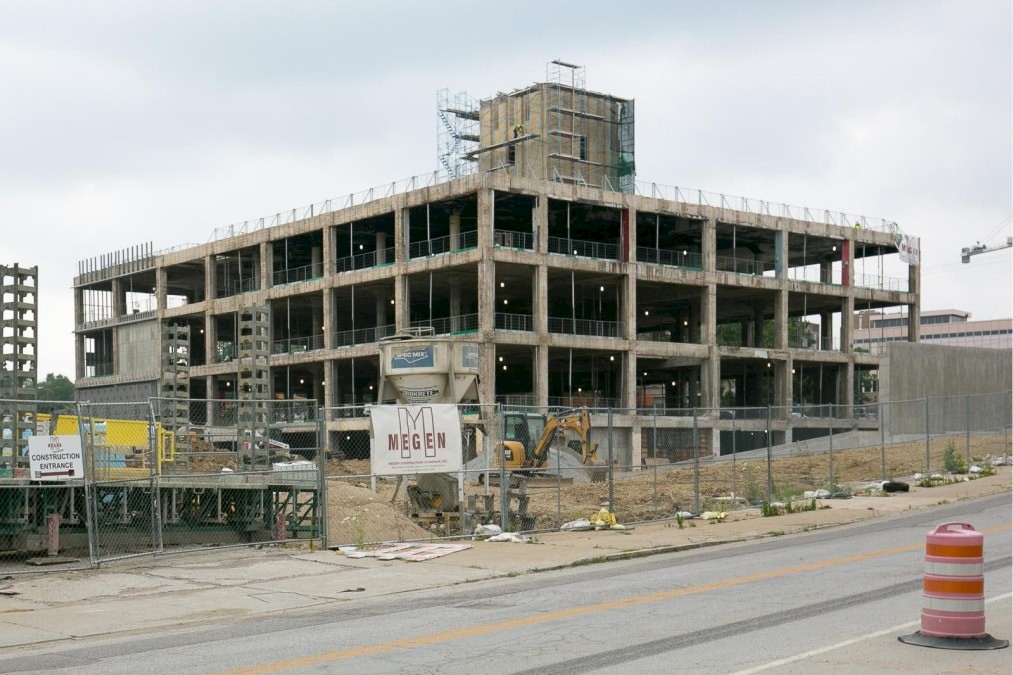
pixel 829 648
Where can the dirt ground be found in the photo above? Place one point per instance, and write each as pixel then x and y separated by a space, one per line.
pixel 357 515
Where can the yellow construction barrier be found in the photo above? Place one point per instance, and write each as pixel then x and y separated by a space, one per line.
pixel 119 445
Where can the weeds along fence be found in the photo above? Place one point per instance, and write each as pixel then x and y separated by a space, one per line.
pixel 156 477
pixel 166 475
pixel 656 462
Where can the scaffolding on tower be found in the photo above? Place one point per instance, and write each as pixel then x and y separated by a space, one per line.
pixel 457 132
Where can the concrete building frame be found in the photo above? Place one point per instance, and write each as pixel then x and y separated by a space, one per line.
pixel 579 296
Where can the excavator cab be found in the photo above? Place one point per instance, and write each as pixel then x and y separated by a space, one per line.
pixel 529 438
pixel 519 430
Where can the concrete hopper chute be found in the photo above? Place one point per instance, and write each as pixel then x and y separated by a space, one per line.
pixel 416 368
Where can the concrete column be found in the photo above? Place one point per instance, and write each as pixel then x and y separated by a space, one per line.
pixel 628 380
pixel 401 218
pixel 210 277
pixel 320 316
pixel 486 269
pixel 267 266
pixel 210 343
pixel 826 331
pixel 781 252
pixel 708 246
pixel 790 395
pixel 826 272
pixel 487 298
pixel 316 262
pixel 847 395
pixel 380 304
pixel 381 248
pixel 781 319
pixel 847 324
pixel 401 295
pixel 848 263
pixel 695 386
pixel 78 337
pixel 328 251
pixel 782 385
pixel 79 360
pixel 914 310
pixel 455 230
pixel 455 305
pixel 115 338
pixel 161 292
pixel 486 215
pixel 487 372
pixel 542 374
pixel 540 301
pixel 757 326
pixel 327 321
pixel 119 299
pixel 540 322
pixel 330 383
pixel 629 246
pixel 629 317
pixel 710 370
pixel 78 306
pixel 540 216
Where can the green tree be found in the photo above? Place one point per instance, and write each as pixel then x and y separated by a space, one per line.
pixel 54 388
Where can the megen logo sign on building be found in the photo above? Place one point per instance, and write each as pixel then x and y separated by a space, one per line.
pixel 409 439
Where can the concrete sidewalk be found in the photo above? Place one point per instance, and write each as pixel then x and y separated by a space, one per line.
pixel 148 594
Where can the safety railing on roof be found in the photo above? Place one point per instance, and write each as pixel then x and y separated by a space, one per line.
pixel 760 206
pixel 642 188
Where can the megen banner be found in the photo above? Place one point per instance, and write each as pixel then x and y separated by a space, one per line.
pixel 415 439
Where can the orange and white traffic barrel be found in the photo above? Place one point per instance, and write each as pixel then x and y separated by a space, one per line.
pixel 953 606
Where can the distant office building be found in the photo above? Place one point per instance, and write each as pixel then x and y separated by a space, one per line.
pixel 19 374
pixel 939 327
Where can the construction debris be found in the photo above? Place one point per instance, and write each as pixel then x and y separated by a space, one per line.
pixel 410 552
pixel 511 537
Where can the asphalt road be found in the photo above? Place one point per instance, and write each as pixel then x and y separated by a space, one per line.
pixel 827 601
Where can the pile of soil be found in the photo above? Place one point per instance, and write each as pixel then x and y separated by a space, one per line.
pixel 356 515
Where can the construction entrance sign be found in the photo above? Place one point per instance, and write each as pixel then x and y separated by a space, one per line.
pixel 55 457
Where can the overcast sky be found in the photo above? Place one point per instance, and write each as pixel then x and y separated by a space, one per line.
pixel 128 122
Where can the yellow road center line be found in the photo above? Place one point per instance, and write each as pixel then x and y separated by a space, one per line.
pixel 572 612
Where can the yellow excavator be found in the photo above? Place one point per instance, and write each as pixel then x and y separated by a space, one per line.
pixel 522 456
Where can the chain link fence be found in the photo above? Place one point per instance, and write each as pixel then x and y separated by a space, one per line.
pixel 160 476
pixel 166 475
pixel 689 462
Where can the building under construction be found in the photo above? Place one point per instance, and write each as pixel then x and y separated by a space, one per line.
pixel 583 286
pixel 19 369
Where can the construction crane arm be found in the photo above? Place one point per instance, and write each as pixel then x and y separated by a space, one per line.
pixel 968 251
